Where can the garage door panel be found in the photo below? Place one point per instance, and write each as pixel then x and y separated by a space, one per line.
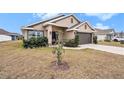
pixel 85 38
pixel 5 38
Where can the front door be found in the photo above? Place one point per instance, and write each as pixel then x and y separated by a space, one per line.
pixel 54 37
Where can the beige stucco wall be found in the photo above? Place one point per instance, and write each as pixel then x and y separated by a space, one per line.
pixel 67 21
pixel 55 28
pixel 69 35
pixel 25 34
pixel 38 27
pixel 82 28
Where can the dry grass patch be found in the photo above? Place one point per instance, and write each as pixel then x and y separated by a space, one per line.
pixel 112 43
pixel 16 62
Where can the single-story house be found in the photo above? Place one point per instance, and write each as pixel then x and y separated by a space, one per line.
pixel 67 25
pixel 7 36
pixel 119 34
pixel 15 36
pixel 104 34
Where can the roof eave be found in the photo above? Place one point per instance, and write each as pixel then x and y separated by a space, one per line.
pixel 53 24
pixel 27 28
pixel 43 21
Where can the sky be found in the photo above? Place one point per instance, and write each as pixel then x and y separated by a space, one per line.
pixel 13 22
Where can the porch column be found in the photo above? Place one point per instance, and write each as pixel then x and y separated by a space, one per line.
pixel 49 34
pixel 25 34
pixel 92 37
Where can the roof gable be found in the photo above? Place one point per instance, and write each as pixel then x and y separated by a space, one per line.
pixel 64 21
pixel 79 25
pixel 89 25
pixel 66 16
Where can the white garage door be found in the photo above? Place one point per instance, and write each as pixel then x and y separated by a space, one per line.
pixel 101 37
pixel 5 38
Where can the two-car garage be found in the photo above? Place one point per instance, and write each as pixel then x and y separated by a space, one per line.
pixel 85 32
pixel 84 38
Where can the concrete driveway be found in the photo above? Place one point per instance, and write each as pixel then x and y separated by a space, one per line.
pixel 111 49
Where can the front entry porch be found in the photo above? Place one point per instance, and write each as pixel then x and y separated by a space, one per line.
pixel 54 33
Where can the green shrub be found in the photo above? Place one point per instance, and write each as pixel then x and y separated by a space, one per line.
pixel 77 40
pixel 34 42
pixel 72 42
pixel 25 43
pixel 122 42
pixel 39 41
pixel 95 40
pixel 44 41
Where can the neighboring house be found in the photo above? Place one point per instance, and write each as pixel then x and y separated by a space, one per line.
pixel 104 34
pixel 67 25
pixel 119 34
pixel 15 36
pixel 7 36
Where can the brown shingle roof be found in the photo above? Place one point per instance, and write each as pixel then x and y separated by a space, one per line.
pixel 79 24
pixel 74 26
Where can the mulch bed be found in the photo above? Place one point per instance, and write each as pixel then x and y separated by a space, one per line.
pixel 62 67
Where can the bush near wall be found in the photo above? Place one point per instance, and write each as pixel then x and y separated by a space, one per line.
pixel 72 42
pixel 95 41
pixel 34 42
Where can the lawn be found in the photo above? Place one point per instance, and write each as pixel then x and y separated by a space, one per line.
pixel 16 62
pixel 112 43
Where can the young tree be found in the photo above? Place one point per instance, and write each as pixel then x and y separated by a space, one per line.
pixel 58 50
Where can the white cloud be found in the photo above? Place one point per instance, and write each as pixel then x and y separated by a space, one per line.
pixel 102 16
pixel 44 15
pixel 101 26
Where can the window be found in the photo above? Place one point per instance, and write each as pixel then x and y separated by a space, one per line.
pixel 39 33
pixel 71 20
pixel 34 33
pixel 85 26
pixel 31 33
